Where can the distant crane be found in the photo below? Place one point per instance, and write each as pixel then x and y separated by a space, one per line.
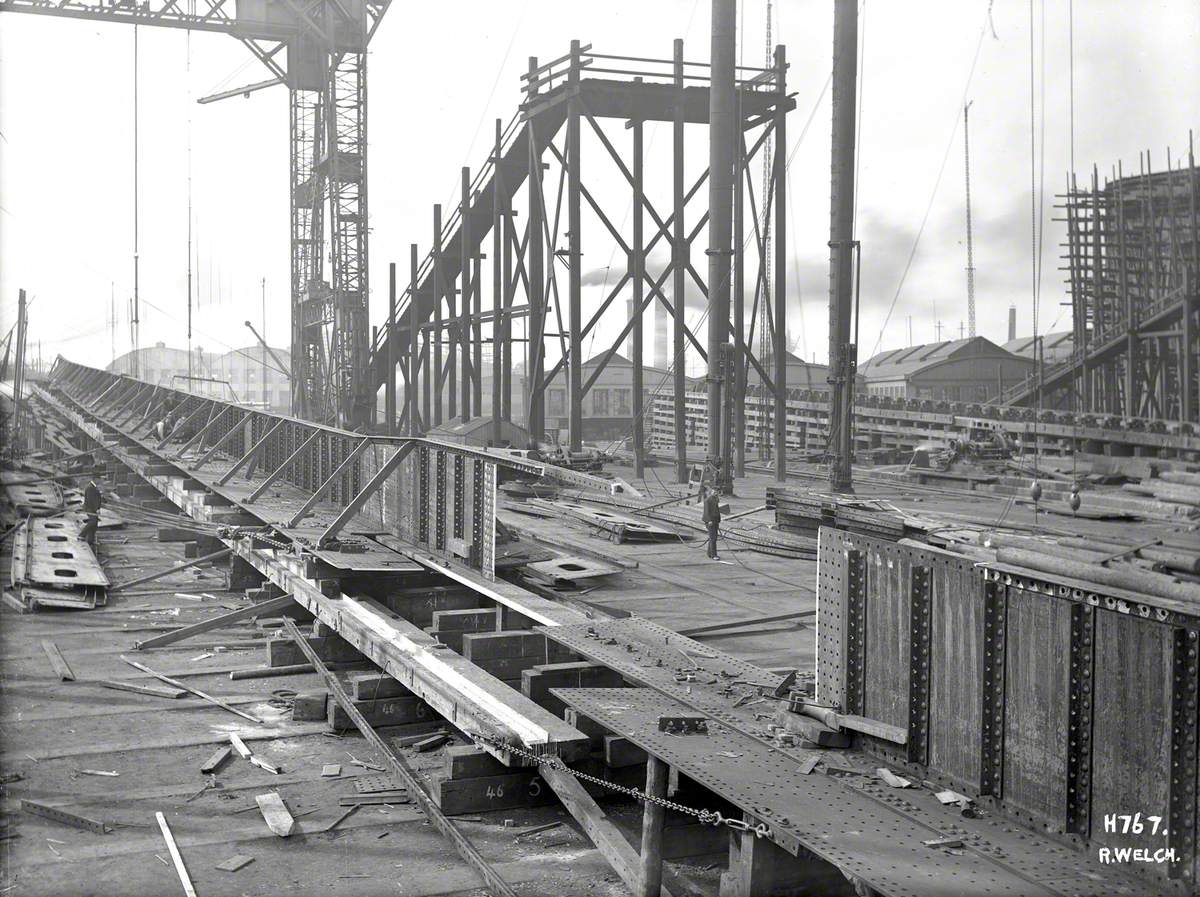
pixel 970 245
pixel 318 49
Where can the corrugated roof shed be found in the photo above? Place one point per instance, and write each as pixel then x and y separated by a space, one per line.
pixel 901 364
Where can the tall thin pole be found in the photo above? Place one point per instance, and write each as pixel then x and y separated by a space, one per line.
pixel 19 365
pixel 970 242
pixel 639 287
pixel 498 285
pixel 841 243
pixel 679 251
pixel 189 216
pixel 263 354
pixel 136 321
pixel 722 133
pixel 535 369
pixel 413 344
pixel 390 339
pixel 780 340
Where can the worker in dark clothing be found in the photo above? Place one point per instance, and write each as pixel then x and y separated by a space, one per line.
pixel 712 519
pixel 91 510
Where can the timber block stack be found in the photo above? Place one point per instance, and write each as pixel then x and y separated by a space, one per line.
pixel 331 648
pixel 382 701
pixel 418 605
pixel 473 781
pixel 506 655
pixel 449 626
pixel 537 681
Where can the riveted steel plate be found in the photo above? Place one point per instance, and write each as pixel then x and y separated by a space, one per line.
pixel 861 834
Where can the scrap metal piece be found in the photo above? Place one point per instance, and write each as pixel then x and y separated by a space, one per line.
pixel 683 725
pixel 64 816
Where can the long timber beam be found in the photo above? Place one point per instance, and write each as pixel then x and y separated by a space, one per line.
pixel 467 696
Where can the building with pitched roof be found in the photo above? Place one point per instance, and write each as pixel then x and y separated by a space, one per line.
pixel 963 370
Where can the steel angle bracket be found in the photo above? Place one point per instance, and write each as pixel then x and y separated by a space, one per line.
pixel 63 816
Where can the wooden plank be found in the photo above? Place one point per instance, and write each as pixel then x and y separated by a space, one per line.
pixel 213 763
pixel 217 701
pixel 242 613
pixel 61 669
pixel 140 689
pixel 234 863
pixel 176 857
pixel 276 814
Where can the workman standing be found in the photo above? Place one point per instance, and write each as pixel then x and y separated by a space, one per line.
pixel 91 510
pixel 712 519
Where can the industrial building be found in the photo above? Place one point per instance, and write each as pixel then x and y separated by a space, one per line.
pixel 541 564
pixel 964 370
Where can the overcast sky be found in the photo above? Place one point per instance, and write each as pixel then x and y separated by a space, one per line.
pixel 441 72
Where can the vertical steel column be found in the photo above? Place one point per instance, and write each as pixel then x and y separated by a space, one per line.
pixel 575 286
pixel 1190 290
pixel 476 336
pixel 506 357
pixel 841 236
pixel 679 250
pixel 464 318
pixel 637 264
pixel 535 418
pixel 780 289
pixel 436 333
pixel 497 287
pixel 722 132
pixel 414 330
pixel 389 395
pixel 739 311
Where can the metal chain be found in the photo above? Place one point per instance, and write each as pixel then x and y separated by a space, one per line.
pixel 707 817
pixel 237 532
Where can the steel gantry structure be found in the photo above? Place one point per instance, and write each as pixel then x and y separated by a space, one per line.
pixel 317 48
pixel 431 347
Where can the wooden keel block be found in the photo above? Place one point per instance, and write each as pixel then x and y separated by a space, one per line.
pixel 469 620
pixel 464 761
pixel 310 707
pixel 373 686
pixel 503 792
pixel 383 712
pixel 493 645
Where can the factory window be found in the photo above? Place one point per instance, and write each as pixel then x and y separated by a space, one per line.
pixel 600 401
pixel 557 403
pixel 622 399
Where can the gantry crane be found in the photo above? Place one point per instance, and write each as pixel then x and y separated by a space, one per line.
pixel 317 48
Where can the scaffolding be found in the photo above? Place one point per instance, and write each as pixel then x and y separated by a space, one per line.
pixel 1133 254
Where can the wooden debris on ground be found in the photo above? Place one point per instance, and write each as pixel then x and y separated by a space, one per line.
pixel 279 820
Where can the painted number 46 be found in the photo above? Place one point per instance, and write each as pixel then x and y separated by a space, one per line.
pixel 1135 824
